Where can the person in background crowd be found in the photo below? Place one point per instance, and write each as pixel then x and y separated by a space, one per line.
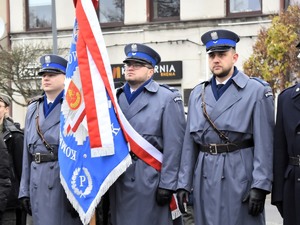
pixel 286 189
pixel 13 138
pixel 228 143
pixel 41 192
pixel 142 194
pixel 5 183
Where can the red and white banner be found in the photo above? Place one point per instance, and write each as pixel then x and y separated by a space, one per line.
pixel 98 93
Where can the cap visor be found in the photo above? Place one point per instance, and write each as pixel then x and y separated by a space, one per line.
pixel 136 60
pixel 219 49
pixel 49 70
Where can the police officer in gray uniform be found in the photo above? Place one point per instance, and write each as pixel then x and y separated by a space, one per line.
pixel 227 151
pixel 142 194
pixel 41 192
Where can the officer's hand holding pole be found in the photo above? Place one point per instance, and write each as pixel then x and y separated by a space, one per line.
pixel 256 201
pixel 25 204
pixel 182 198
pixel 163 196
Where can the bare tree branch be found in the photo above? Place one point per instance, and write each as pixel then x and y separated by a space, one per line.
pixel 19 71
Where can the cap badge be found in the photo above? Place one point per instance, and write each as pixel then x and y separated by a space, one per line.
pixel 134 48
pixel 214 36
pixel 47 59
pixel 298 89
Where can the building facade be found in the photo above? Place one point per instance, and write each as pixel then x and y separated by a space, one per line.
pixel 172 27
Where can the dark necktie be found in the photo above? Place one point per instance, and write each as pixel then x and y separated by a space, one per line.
pixel 49 105
pixel 219 86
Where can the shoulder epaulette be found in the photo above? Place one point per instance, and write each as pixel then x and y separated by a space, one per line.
pixel 168 87
pixel 178 97
pixel 260 81
pixel 202 84
pixel 36 98
pixel 288 88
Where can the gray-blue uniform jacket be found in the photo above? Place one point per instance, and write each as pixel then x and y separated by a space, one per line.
pixel 41 181
pixel 220 182
pixel 157 114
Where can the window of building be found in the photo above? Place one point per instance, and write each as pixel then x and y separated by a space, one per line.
pixel 236 7
pixel 111 11
pixel 39 14
pixel 165 10
pixel 287 3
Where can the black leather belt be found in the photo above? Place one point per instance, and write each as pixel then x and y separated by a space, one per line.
pixel 41 157
pixel 294 161
pixel 228 147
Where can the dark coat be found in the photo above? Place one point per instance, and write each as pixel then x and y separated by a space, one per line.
pixel 5 184
pixel 14 138
pixel 286 186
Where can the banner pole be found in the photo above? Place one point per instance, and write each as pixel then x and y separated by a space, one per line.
pixel 93 220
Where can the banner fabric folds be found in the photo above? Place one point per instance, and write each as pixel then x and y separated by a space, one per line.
pixel 95 137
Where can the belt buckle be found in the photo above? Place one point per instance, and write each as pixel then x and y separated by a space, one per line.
pixel 213 149
pixel 37 157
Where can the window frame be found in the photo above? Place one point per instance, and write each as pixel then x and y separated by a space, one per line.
pixel 243 14
pixel 114 23
pixel 284 4
pixel 150 17
pixel 28 28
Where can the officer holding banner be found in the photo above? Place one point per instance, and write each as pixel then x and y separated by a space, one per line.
pixel 228 144
pixel 142 195
pixel 41 192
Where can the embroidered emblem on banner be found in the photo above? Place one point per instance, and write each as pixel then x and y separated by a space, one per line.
pixel 82 180
pixel 74 110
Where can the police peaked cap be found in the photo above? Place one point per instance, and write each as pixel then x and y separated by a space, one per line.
pixel 219 40
pixel 53 64
pixel 5 99
pixel 141 53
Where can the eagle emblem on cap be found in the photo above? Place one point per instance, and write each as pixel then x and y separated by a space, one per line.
pixel 47 59
pixel 134 48
pixel 214 35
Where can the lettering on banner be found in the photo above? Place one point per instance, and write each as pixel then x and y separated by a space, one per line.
pixel 69 152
